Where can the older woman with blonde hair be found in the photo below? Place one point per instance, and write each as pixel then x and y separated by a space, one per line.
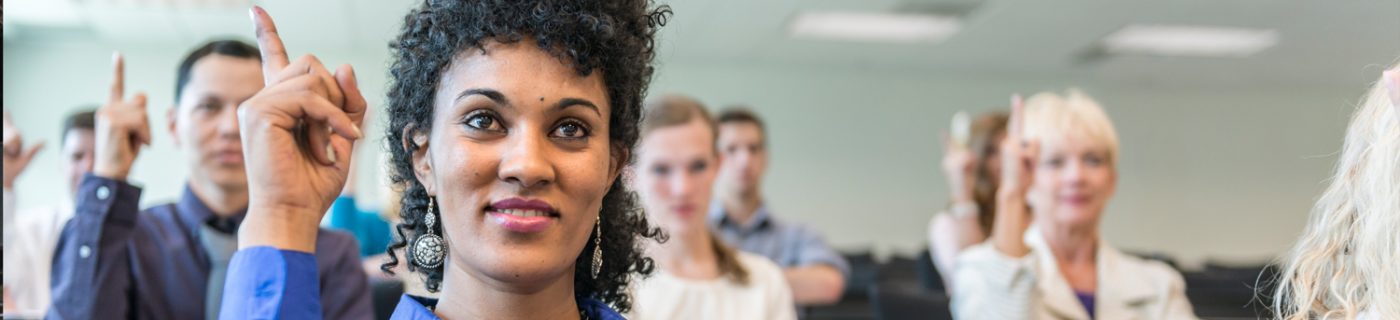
pixel 1046 258
pixel 1347 264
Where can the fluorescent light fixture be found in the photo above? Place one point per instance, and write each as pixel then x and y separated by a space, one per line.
pixel 874 27
pixel 1193 41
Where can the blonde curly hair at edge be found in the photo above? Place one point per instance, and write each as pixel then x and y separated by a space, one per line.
pixel 1348 259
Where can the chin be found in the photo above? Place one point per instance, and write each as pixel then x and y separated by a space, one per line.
pixel 1078 216
pixel 228 177
pixel 530 267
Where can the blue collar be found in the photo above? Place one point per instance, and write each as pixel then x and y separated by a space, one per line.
pixel 420 308
pixel 762 218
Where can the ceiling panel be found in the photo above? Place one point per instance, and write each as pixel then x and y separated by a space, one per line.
pixel 1320 42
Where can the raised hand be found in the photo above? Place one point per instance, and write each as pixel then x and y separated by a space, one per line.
pixel 1018 156
pixel 298 137
pixel 958 166
pixel 122 128
pixel 16 156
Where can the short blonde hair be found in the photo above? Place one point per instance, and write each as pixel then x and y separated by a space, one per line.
pixel 1051 119
pixel 1348 259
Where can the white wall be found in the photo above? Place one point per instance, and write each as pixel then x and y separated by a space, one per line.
pixel 1206 173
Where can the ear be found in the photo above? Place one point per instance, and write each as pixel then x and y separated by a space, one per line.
pixel 416 143
pixel 170 115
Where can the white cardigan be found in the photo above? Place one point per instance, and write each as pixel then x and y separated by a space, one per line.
pixel 992 285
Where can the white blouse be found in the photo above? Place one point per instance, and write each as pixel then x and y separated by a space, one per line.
pixel 666 296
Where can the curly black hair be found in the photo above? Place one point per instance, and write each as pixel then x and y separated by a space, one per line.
pixel 615 37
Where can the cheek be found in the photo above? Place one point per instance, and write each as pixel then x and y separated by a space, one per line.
pixel 461 169
pixel 585 177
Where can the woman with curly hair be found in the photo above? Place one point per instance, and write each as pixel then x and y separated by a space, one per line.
pixel 510 123
pixel 1345 265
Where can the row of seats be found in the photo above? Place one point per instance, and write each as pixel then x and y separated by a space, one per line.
pixel 904 287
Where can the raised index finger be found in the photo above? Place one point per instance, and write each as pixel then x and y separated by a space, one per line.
pixel 274 54
pixel 118 79
pixel 1013 127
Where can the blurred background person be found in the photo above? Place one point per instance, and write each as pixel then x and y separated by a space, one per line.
pixel 973 170
pixel 169 261
pixel 816 273
pixel 32 234
pixel 697 275
pixel 1046 258
pixel 1346 265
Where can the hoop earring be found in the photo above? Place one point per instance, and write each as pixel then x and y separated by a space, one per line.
pixel 428 250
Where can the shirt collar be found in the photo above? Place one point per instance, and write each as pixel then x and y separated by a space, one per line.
pixel 421 308
pixel 761 217
pixel 195 213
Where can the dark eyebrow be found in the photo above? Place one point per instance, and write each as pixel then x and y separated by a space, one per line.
pixel 500 98
pixel 488 93
pixel 570 102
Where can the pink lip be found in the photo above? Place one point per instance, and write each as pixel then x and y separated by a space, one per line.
pixel 522 224
pixel 229 157
pixel 1077 200
pixel 683 210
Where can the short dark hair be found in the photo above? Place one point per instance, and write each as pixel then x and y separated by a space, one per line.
pixel 743 114
pixel 84 119
pixel 232 48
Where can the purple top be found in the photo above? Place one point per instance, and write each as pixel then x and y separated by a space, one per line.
pixel 1086 299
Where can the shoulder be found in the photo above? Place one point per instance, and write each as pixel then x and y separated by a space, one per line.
pixel 761 269
pixel 336 243
pixel 1150 273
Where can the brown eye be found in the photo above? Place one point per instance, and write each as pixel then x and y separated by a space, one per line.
pixel 483 122
pixel 570 130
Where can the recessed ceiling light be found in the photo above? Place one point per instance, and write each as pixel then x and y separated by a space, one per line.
pixel 1196 41
pixel 874 27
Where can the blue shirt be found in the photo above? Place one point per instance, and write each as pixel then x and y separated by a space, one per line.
pixel 367 226
pixel 115 261
pixel 268 283
pixel 787 244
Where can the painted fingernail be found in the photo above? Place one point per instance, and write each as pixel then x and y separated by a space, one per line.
pixel 330 153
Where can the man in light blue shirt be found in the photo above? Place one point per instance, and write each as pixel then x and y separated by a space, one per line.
pixel 816 273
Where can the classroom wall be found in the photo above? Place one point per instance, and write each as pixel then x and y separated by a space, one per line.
pixel 1206 173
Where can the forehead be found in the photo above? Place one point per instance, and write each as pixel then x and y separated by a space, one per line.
pixel 680 141
pixel 739 132
pixel 224 75
pixel 78 137
pixel 521 71
pixel 1072 142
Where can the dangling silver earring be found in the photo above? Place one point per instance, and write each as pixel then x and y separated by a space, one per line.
pixel 428 249
pixel 597 246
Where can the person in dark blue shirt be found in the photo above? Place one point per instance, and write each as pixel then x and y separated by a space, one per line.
pixel 509 126
pixel 115 261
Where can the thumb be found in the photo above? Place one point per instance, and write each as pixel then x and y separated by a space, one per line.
pixel 29 154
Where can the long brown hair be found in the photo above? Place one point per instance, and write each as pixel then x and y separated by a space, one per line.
pixel 676 110
pixel 984 143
